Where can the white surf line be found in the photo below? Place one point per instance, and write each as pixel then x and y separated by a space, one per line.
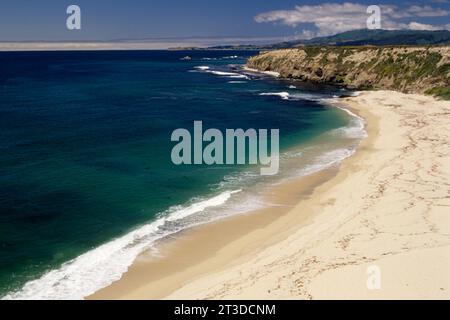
pixel 105 264
pixel 269 73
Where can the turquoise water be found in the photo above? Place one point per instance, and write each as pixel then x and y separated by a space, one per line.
pixel 85 155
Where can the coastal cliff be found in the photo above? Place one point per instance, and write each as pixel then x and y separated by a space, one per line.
pixel 406 69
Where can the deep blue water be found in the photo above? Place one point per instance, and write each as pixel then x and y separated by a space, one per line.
pixel 85 143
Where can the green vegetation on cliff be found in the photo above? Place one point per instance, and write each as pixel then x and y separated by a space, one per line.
pixel 406 69
pixel 442 92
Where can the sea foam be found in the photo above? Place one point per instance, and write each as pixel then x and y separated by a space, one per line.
pixel 230 74
pixel 356 128
pixel 202 68
pixel 226 74
pixel 326 160
pixel 295 96
pixel 282 95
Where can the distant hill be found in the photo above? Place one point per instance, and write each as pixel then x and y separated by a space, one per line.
pixel 361 37
pixel 382 38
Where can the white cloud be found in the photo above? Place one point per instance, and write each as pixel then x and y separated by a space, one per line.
pixel 427 11
pixel 329 17
pixel 332 18
pixel 422 26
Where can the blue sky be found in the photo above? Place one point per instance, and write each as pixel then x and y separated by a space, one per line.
pixel 136 19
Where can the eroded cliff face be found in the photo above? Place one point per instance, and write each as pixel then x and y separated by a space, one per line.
pixel 406 69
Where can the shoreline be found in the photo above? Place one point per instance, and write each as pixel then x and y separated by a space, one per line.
pixel 172 257
pixel 333 229
pixel 176 253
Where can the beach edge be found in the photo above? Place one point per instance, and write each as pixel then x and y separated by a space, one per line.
pixel 300 253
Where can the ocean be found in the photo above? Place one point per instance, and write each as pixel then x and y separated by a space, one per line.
pixel 86 177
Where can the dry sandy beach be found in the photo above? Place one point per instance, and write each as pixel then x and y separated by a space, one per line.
pixel 386 206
